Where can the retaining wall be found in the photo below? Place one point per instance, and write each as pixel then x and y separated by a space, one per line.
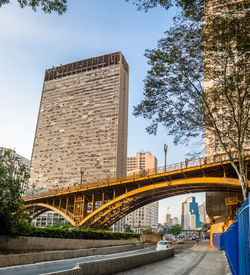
pixel 30 258
pixel 111 266
pixel 36 243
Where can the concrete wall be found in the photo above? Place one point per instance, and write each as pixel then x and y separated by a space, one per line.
pixel 35 243
pixel 218 212
pixel 111 266
pixel 30 258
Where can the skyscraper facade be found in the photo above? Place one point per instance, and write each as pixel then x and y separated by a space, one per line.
pixel 225 62
pixel 190 214
pixel 226 24
pixel 81 133
pixel 146 216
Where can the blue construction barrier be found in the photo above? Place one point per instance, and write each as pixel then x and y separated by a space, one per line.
pixel 244 238
pixel 232 247
pixel 222 241
pixel 236 241
pixel 217 239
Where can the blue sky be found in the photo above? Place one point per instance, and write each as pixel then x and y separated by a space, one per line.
pixel 32 42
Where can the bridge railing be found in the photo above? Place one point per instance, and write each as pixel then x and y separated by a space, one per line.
pixel 168 168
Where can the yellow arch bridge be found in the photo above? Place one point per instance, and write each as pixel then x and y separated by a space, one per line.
pixel 101 204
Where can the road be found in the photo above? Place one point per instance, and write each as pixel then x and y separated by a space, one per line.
pixel 181 247
pixel 46 267
pixel 197 260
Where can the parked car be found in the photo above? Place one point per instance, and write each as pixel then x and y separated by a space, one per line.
pixel 162 245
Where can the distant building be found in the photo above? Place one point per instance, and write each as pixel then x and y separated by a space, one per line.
pixel 21 160
pixel 119 226
pixel 160 227
pixel 142 161
pixel 172 222
pixel 49 218
pixel 202 213
pixel 190 214
pixel 167 218
pixel 175 221
pixel 146 216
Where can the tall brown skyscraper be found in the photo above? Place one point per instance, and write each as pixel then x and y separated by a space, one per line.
pixel 81 132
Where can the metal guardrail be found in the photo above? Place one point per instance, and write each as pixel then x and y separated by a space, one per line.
pixel 163 169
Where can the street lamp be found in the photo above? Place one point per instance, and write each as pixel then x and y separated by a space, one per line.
pixel 81 172
pixel 165 152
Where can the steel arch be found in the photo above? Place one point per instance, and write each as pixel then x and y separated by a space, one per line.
pixel 206 184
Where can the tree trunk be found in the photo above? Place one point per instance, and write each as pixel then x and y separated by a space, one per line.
pixel 244 182
pixel 241 173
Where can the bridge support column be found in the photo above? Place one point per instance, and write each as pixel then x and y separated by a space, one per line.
pixel 103 197
pixel 84 206
pixel 79 210
pixel 67 205
pixel 93 203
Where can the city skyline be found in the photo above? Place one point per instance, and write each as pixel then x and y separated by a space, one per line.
pixel 36 41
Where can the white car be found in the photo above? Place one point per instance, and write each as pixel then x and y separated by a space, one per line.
pixel 162 245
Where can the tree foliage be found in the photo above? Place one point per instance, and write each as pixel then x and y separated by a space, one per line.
pixel 175 229
pixel 47 6
pixel 73 233
pixel 149 4
pixel 147 230
pixel 192 9
pixel 128 228
pixel 13 180
pixel 198 82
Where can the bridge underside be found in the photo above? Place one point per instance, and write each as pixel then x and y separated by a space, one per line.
pixel 104 205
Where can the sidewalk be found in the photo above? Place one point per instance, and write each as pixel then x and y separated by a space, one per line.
pixel 201 259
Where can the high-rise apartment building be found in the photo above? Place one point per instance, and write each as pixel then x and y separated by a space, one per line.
pixel 146 216
pixel 225 63
pixel 81 133
pixel 20 159
pixel 226 24
pixel 142 161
